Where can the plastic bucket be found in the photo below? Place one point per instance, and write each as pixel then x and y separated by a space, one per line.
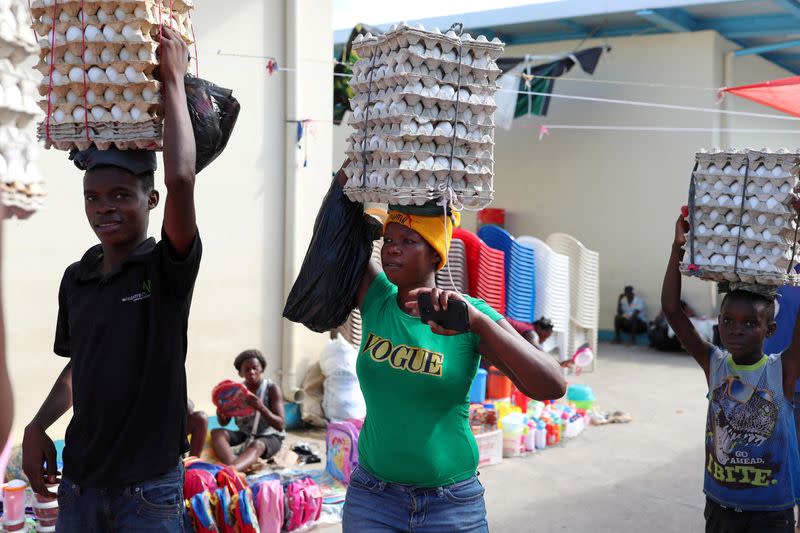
pixel 497 384
pixel 477 392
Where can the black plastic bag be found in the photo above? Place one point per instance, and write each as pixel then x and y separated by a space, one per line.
pixel 213 111
pixel 325 290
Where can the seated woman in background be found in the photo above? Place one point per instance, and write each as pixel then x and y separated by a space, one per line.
pixel 261 434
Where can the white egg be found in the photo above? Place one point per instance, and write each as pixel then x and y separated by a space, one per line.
pixel 109 33
pixel 109 95
pixel 747 263
pixel 124 54
pixel 70 58
pixel 777 171
pixel 776 251
pixel 120 14
pixel 749 233
pixel 730 260
pixel 136 113
pixel 711 245
pixel 702 229
pixel 726 247
pixel 717 259
pixel 128 95
pixel 724 200
pixel 785 188
pixel 93 34
pixel 729 170
pixel 718 186
pixel 89 56
pixel 140 13
pixel 745 218
pixel 148 94
pixel 743 249
pixel 772 203
pixel 737 200
pixel 763 264
pixel 76 74
pixel 753 202
pixel 761 171
pixel 79 114
pixel 113 75
pixel 767 235
pixel 721 229
pixel 53 99
pixel 751 188
pixel 82 17
pixel 145 55
pixel 56 77
pixel 761 219
pixel 713 215
pixel 767 188
pixel 108 55
pixel 743 170
pixel 706 199
pixel 730 217
pixel 735 187
pixel 72 97
pixel 91 97
pixel 131 73
pixel 98 112
pixel 778 222
pixel 59 115
pixel 131 33
pixel 64 17
pixel 117 112
pixel 759 249
pixel 74 34
pixel 103 16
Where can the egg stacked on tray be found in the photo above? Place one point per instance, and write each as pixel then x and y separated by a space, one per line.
pixel 97 61
pixel 423 117
pixel 743 227
pixel 21 187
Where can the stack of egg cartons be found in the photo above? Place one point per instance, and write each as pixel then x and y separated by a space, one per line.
pixel 423 117
pixel 743 225
pixel 97 63
pixel 21 188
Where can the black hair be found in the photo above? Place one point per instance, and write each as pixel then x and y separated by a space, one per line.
pixel 249 354
pixel 544 323
pixel 628 288
pixel 146 179
pixel 764 304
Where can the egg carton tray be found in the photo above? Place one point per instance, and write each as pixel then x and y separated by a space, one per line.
pixel 402 36
pixel 726 273
pixel 384 77
pixel 393 159
pixel 115 19
pixel 16 41
pixel 396 114
pixel 752 204
pixel 747 257
pixel 758 222
pixel 750 249
pixel 464 151
pixel 73 7
pixel 469 199
pixel 400 101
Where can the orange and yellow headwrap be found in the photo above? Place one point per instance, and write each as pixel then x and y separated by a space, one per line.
pixel 430 227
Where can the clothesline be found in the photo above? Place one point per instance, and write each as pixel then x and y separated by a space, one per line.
pixel 272 66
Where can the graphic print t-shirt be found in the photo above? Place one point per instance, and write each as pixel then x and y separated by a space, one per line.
pixel 751 459
pixel 416 386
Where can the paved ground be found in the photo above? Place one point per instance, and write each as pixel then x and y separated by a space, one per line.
pixel 645 476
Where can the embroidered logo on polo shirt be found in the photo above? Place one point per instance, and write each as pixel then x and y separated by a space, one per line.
pixel 144 295
pixel 402 357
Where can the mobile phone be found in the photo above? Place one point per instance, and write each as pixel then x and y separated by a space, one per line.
pixel 455 317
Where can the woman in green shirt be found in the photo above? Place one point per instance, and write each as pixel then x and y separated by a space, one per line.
pixel 418 458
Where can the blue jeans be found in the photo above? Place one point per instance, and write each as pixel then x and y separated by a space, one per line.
pixel 375 506
pixel 153 505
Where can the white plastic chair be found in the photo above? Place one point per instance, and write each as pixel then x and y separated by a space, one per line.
pixel 552 290
pixel 584 273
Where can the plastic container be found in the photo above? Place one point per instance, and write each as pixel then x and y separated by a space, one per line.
pixel 477 392
pixel 513 427
pixel 490 448
pixel 498 386
pixel 582 396
pixel 14 505
pixel 530 437
pixel 541 436
pixel 46 509
pixel 520 400
pixel 492 216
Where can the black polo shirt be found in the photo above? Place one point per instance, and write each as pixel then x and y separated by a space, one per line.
pixel 126 335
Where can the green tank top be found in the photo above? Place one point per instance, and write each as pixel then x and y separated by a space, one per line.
pixel 416 386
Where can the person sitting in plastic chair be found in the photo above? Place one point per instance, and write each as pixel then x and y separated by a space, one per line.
pixel 631 316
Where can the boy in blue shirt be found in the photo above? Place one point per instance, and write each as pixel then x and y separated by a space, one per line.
pixel 752 468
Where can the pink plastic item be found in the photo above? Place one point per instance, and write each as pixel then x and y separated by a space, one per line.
pixel 231 399
pixel 269 506
pixel 14 505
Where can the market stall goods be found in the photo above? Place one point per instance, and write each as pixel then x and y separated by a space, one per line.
pixel 742 224
pixel 99 70
pixel 422 118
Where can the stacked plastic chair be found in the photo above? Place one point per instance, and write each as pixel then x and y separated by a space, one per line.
pixel 520 272
pixel 584 275
pixel 552 290
pixel 485 270
pixel 454 275
pixel 351 329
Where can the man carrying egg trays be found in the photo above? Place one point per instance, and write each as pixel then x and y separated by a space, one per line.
pixel 743 227
pixel 410 92
pixel 103 64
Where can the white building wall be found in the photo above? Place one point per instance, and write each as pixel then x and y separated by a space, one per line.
pixel 241 206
